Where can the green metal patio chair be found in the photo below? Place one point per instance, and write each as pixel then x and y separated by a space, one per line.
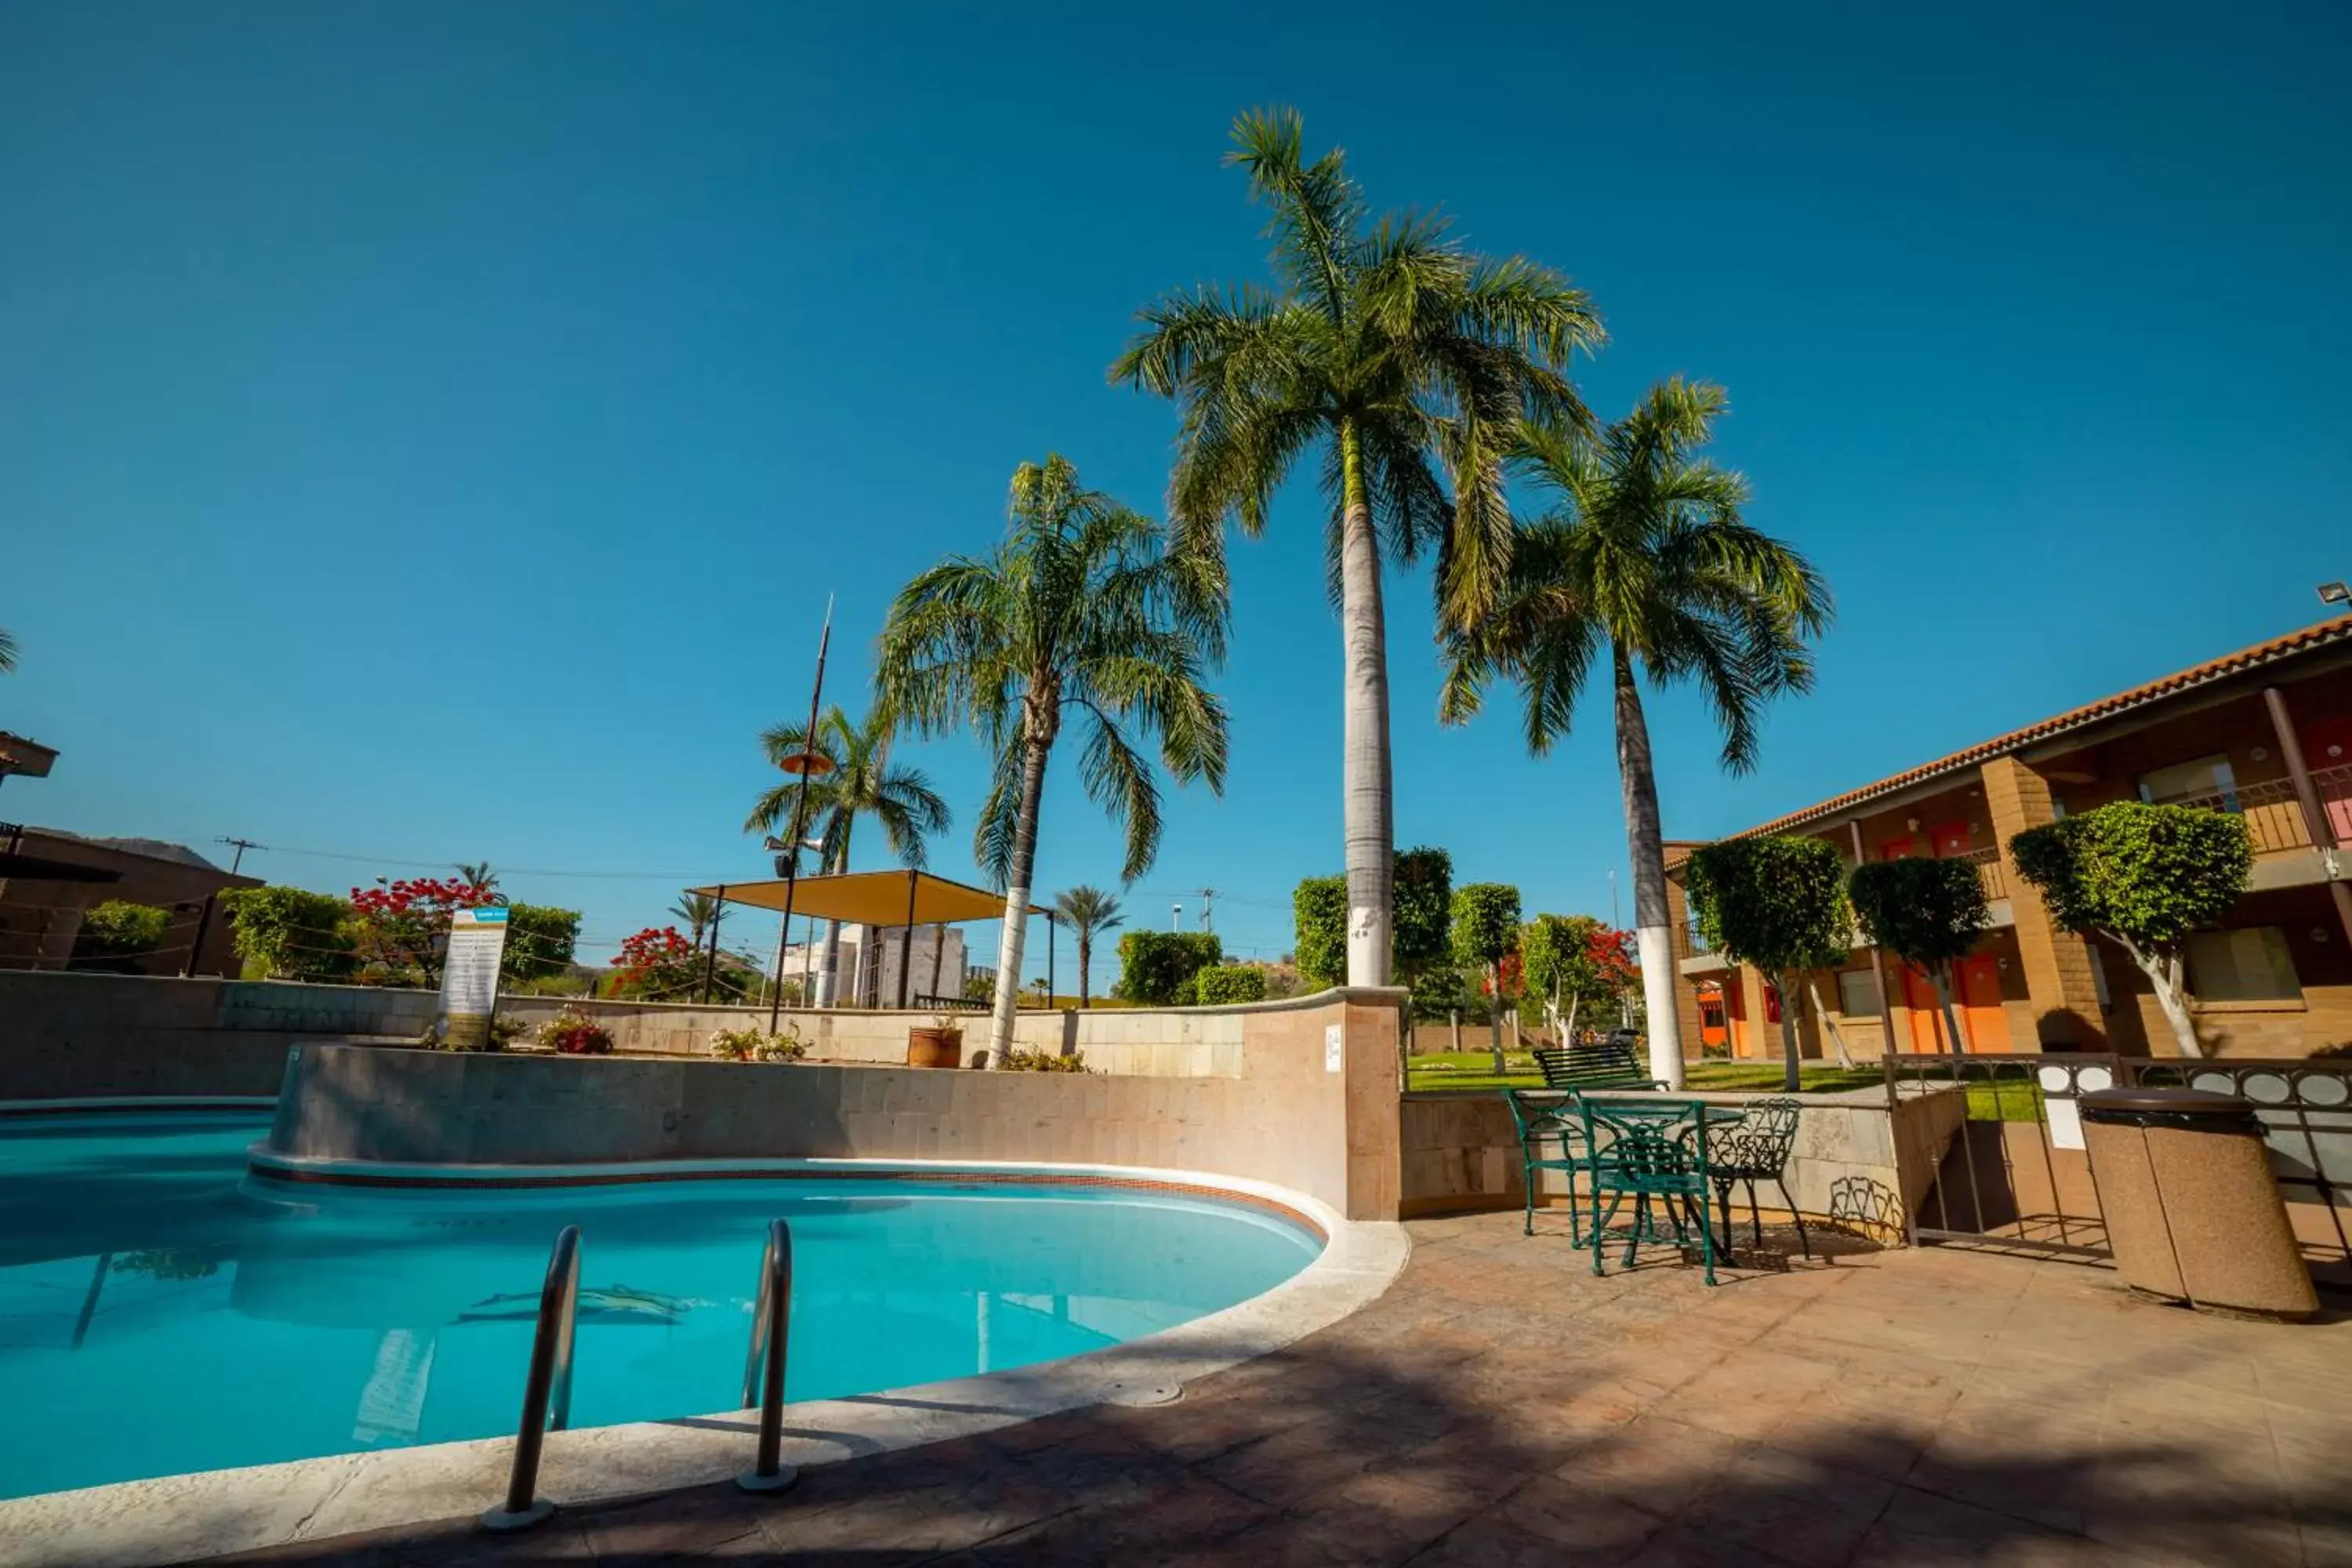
pixel 1544 1117
pixel 1644 1152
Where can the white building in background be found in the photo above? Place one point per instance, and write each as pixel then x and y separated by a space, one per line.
pixel 868 972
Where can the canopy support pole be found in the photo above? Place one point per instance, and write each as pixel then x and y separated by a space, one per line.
pixel 907 939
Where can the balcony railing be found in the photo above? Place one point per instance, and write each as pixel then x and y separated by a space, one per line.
pixel 2274 817
pixel 1990 871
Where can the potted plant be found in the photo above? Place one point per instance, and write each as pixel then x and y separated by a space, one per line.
pixel 574 1033
pixel 938 1044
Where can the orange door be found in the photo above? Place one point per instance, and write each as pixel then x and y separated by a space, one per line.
pixel 1926 1010
pixel 1980 995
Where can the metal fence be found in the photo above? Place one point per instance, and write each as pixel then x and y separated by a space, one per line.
pixel 2014 1174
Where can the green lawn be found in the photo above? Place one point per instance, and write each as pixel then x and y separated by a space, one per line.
pixel 1475 1069
pixel 2007 1098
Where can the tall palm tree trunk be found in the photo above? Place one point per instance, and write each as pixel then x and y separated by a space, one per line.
pixel 1016 902
pixel 1086 957
pixel 828 974
pixel 1370 838
pixel 1652 938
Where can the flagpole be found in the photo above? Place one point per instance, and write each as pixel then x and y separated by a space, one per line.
pixel 808 760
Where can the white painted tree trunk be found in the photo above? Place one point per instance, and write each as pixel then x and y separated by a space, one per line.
pixel 1016 904
pixel 2165 977
pixel 1791 1055
pixel 1837 1036
pixel 1364 744
pixel 1652 942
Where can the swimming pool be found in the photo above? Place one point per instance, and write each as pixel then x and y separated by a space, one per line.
pixel 162 1313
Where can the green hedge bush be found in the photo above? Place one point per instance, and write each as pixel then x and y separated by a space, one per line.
pixel 292 932
pixel 1154 966
pixel 1220 983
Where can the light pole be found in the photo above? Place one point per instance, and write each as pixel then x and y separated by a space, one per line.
pixel 806 764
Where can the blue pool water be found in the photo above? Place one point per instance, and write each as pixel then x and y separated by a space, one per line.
pixel 159 1313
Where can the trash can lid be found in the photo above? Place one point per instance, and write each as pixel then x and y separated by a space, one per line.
pixel 2190 1110
pixel 2170 1101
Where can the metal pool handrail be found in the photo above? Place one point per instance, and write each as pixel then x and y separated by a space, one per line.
pixel 547 1388
pixel 763 1365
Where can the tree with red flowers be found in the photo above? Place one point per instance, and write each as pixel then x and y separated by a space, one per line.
pixel 401 928
pixel 656 962
pixel 1571 962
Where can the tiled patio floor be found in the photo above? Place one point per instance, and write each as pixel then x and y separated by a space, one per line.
pixel 1501 1406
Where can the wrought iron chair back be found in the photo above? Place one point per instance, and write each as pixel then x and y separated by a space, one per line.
pixel 1547 1118
pixel 1756 1149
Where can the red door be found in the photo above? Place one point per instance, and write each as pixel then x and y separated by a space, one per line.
pixel 1894 849
pixel 2327 752
pixel 1735 1008
pixel 1949 838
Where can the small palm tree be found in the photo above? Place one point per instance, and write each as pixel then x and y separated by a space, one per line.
pixel 7 651
pixel 1087 910
pixel 1645 567
pixel 1399 353
pixel 701 912
pixel 477 875
pixel 1085 610
pixel 863 782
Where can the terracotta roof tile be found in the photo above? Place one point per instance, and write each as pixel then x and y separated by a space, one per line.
pixel 2295 642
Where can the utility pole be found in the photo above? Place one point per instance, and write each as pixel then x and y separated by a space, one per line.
pixel 205 920
pixel 1208 908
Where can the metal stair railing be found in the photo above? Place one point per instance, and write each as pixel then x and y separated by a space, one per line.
pixel 547 1387
pixel 764 1366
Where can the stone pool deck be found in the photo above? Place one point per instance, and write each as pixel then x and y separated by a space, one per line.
pixel 1501 1406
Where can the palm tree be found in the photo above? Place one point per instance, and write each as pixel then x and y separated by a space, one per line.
pixel 862 782
pixel 7 651
pixel 1646 564
pixel 1087 910
pixel 701 912
pixel 1085 608
pixel 476 874
pixel 1397 353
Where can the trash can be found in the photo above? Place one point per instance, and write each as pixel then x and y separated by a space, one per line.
pixel 2193 1213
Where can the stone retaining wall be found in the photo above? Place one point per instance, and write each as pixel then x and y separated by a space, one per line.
pixel 1311 1105
pixel 69 1035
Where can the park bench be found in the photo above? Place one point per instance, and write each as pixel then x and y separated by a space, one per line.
pixel 1607 1064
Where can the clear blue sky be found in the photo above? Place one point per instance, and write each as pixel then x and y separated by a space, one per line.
pixel 431 430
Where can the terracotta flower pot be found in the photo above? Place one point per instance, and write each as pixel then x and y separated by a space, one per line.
pixel 928 1046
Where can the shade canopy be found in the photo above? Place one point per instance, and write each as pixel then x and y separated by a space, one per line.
pixel 871 897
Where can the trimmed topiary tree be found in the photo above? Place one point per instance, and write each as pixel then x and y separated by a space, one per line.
pixel 1156 967
pixel 2144 877
pixel 1320 909
pixel 1420 919
pixel 1927 913
pixel 1218 984
pixel 1779 904
pixel 1420 923
pixel 1487 929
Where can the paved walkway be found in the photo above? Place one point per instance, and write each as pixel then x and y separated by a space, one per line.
pixel 1501 1405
